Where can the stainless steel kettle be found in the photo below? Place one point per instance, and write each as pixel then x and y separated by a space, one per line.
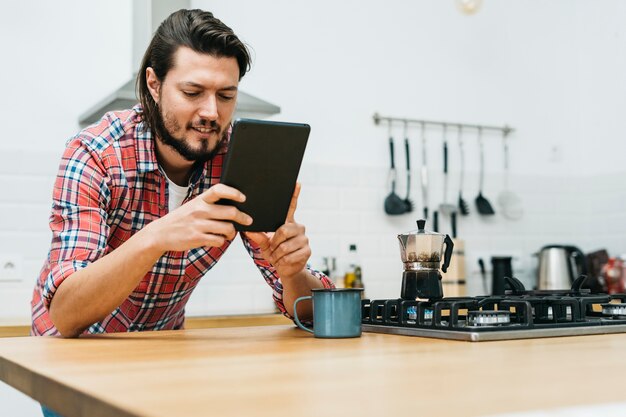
pixel 559 266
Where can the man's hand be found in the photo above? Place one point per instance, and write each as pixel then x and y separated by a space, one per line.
pixel 200 222
pixel 287 249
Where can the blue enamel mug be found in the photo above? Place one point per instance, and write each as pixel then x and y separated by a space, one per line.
pixel 336 312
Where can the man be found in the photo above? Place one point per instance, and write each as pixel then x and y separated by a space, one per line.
pixel 134 220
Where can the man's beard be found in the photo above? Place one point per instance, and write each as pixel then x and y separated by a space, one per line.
pixel 166 124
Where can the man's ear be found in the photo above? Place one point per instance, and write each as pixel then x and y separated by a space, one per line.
pixel 154 84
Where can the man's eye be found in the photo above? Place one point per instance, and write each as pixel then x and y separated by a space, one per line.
pixel 226 97
pixel 191 93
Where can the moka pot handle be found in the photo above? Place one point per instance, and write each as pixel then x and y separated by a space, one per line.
pixel 448 253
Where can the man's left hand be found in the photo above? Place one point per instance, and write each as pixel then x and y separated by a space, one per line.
pixel 288 248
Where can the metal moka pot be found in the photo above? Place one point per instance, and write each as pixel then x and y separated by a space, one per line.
pixel 422 249
pixel 422 253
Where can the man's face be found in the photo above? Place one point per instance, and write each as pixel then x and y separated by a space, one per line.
pixel 196 102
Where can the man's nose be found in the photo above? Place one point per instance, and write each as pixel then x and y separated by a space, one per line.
pixel 208 108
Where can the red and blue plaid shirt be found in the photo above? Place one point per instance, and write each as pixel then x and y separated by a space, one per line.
pixel 109 186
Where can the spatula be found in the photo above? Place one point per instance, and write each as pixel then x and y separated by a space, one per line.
pixel 482 204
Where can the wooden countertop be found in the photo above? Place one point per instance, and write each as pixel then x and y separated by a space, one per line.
pixel 283 371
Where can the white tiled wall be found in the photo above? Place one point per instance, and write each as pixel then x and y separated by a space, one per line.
pixel 26 179
pixel 340 205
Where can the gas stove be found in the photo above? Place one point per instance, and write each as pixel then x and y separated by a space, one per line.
pixel 518 314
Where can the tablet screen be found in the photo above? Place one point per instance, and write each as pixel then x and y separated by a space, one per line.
pixel 263 162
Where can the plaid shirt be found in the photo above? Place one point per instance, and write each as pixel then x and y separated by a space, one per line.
pixel 108 187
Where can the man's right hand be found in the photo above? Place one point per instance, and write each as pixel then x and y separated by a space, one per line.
pixel 200 222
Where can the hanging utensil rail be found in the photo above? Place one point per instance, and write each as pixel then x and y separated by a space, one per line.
pixel 378 118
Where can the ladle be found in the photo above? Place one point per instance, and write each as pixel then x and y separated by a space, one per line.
pixel 394 204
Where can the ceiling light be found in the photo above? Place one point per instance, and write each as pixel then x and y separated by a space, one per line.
pixel 469 7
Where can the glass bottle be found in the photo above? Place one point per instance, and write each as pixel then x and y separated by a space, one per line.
pixel 352 264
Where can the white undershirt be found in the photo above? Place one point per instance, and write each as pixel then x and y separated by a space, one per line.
pixel 176 194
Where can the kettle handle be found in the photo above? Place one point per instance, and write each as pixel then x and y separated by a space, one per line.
pixel 579 260
pixel 448 253
pixel 577 265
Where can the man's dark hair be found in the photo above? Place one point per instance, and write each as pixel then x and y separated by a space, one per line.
pixel 196 29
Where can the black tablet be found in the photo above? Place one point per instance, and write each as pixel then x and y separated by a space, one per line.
pixel 263 162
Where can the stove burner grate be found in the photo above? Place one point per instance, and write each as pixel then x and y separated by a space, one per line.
pixel 516 314
pixel 489 318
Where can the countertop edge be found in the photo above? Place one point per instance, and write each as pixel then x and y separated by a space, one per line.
pixel 54 395
pixel 194 322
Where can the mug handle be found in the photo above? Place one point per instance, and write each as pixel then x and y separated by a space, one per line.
pixel 295 313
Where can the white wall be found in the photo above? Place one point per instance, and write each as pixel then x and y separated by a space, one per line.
pixel 548 68
pixel 551 70
pixel 59 58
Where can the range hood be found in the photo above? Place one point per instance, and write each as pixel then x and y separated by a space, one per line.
pixel 147 16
